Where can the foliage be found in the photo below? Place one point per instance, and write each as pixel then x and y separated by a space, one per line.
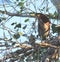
pixel 20 23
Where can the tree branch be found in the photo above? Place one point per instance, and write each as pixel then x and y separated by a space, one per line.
pixel 51 16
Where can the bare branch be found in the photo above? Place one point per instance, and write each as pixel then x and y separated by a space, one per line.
pixel 51 16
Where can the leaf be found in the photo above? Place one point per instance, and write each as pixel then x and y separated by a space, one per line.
pixel 54 29
pixel 17 26
pixel 25 35
pixel 20 33
pixel 21 8
pixel 47 9
pixel 22 0
pixel 13 23
pixel 16 36
pixel 13 43
pixel 25 27
pixel 58 28
pixel 17 0
pixel 55 13
pixel 6 44
pixel 0 20
pixel 10 39
pixel 43 9
pixel 20 4
pixel 26 20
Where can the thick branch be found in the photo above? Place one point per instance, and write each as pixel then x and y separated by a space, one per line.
pixel 26 14
pixel 16 14
pixel 43 44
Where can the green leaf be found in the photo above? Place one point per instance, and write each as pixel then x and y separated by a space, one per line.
pixel 24 26
pixel 26 20
pixel 43 9
pixel 13 23
pixel 58 28
pixel 22 0
pixel 21 8
pixel 20 33
pixel 47 9
pixel 13 43
pixel 17 0
pixel 54 29
pixel 20 4
pixel 55 13
pixel 10 39
pixel 0 20
pixel 17 26
pixel 16 36
pixel 6 44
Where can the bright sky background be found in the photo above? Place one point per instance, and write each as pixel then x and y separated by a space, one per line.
pixel 21 20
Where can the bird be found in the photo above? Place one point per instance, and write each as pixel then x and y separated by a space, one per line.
pixel 43 25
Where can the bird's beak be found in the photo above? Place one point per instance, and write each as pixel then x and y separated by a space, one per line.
pixel 32 14
pixel 38 15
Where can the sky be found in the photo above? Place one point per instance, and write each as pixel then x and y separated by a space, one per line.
pixel 21 20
